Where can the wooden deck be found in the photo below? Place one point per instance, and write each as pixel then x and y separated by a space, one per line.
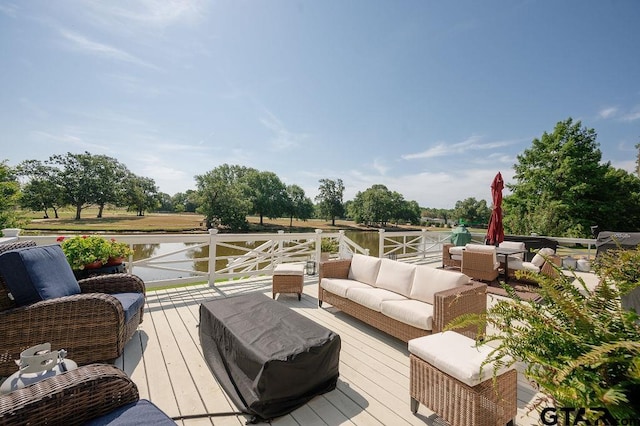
pixel 165 360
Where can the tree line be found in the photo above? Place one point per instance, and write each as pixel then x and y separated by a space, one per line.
pixel 561 188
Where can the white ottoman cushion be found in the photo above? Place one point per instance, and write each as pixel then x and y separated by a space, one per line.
pixel 413 312
pixel 340 286
pixel 288 269
pixel 456 355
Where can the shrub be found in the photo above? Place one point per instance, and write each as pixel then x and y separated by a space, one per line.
pixel 84 250
pixel 580 346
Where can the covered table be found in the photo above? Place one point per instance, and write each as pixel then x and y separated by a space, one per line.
pixel 460 236
pixel 268 358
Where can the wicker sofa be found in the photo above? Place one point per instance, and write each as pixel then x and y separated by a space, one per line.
pixel 404 300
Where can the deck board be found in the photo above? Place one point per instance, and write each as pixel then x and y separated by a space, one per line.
pixel 165 360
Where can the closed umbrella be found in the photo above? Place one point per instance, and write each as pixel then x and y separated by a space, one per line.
pixel 495 233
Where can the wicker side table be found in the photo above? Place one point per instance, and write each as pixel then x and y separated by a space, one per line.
pixel 445 376
pixel 288 278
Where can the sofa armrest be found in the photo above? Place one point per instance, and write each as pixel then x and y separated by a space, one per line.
pixel 332 269
pixel 451 303
pixel 112 283
pixel 73 397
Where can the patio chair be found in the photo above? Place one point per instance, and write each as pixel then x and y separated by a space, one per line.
pixel 479 262
pixel 41 301
pixel 451 256
pixel 542 263
pixel 96 394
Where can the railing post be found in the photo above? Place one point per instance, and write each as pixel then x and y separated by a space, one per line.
pixel 423 243
pixel 213 234
pixel 380 242
pixel 342 250
pixel 280 249
pixel 318 246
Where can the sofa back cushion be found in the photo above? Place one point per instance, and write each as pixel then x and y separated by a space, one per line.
pixel 428 281
pixel 37 273
pixel 395 276
pixel 538 260
pixel 364 268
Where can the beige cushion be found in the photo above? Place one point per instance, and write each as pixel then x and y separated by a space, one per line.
pixel 428 281
pixel 413 312
pixel 364 268
pixel 514 245
pixel 288 269
pixel 340 286
pixel 456 355
pixel 538 260
pixel 372 298
pixel 395 276
pixel 517 264
pixel 456 252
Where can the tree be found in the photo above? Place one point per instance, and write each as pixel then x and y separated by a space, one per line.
pixel 297 204
pixel 42 191
pixel 185 201
pixel 562 188
pixel 112 175
pixel 472 211
pixel 267 193
pixel 221 196
pixel 9 196
pixel 330 199
pixel 141 194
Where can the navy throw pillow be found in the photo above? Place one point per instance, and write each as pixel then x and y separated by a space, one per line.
pixel 37 273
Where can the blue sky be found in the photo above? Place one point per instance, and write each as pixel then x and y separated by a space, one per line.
pixel 430 98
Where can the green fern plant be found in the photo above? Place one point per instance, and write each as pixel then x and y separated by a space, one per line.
pixel 580 346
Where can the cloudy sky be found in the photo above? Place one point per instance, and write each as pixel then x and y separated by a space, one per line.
pixel 430 98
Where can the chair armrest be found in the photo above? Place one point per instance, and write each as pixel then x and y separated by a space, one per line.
pixel 334 269
pixel 112 283
pixel 451 303
pixel 69 398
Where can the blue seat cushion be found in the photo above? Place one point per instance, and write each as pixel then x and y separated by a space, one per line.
pixel 37 273
pixel 131 303
pixel 142 412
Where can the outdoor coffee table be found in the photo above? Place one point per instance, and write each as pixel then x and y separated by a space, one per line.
pixel 268 358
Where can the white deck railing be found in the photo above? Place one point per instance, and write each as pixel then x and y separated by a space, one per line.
pixel 254 255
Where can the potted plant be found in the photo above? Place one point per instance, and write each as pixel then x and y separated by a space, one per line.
pixel 581 346
pixel 92 251
pixel 118 252
pixel 328 246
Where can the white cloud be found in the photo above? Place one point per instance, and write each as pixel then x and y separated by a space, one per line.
pixel 631 116
pixel 608 112
pixel 283 138
pixel 85 45
pixel 444 148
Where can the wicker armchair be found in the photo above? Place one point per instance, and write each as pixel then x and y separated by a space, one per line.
pixel 87 393
pixel 479 262
pixel 91 325
pixel 447 260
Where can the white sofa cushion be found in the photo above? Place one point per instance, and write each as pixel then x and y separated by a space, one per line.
pixel 456 355
pixel 428 281
pixel 456 252
pixel 395 276
pixel 372 298
pixel 518 264
pixel 364 268
pixel 413 312
pixel 538 260
pixel 514 245
pixel 339 286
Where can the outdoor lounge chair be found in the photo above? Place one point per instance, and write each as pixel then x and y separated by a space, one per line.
pixel 479 262
pixel 41 301
pixel 96 394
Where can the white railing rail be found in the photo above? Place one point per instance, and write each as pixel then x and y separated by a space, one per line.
pixel 256 255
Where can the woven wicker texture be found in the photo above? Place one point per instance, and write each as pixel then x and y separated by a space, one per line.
pixel 287 284
pixel 70 398
pixel 479 265
pixel 90 326
pixel 448 305
pixel 447 261
pixel 489 403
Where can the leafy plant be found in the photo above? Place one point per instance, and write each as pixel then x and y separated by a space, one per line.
pixel 83 250
pixel 329 245
pixel 580 346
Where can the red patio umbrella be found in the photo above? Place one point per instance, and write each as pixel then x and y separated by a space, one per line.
pixel 495 233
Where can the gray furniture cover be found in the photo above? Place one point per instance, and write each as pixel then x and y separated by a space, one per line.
pixel 608 240
pixel 268 358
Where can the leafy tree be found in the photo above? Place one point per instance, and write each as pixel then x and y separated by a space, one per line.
pixel 165 202
pixel 267 193
pixel 329 199
pixel 409 211
pixel 43 190
pixel 562 188
pixel 141 194
pixel 185 201
pixel 298 205
pixel 222 198
pixel 9 196
pixel 472 211
pixel 112 175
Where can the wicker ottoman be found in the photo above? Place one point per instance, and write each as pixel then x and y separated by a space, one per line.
pixel 288 278
pixel 445 376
